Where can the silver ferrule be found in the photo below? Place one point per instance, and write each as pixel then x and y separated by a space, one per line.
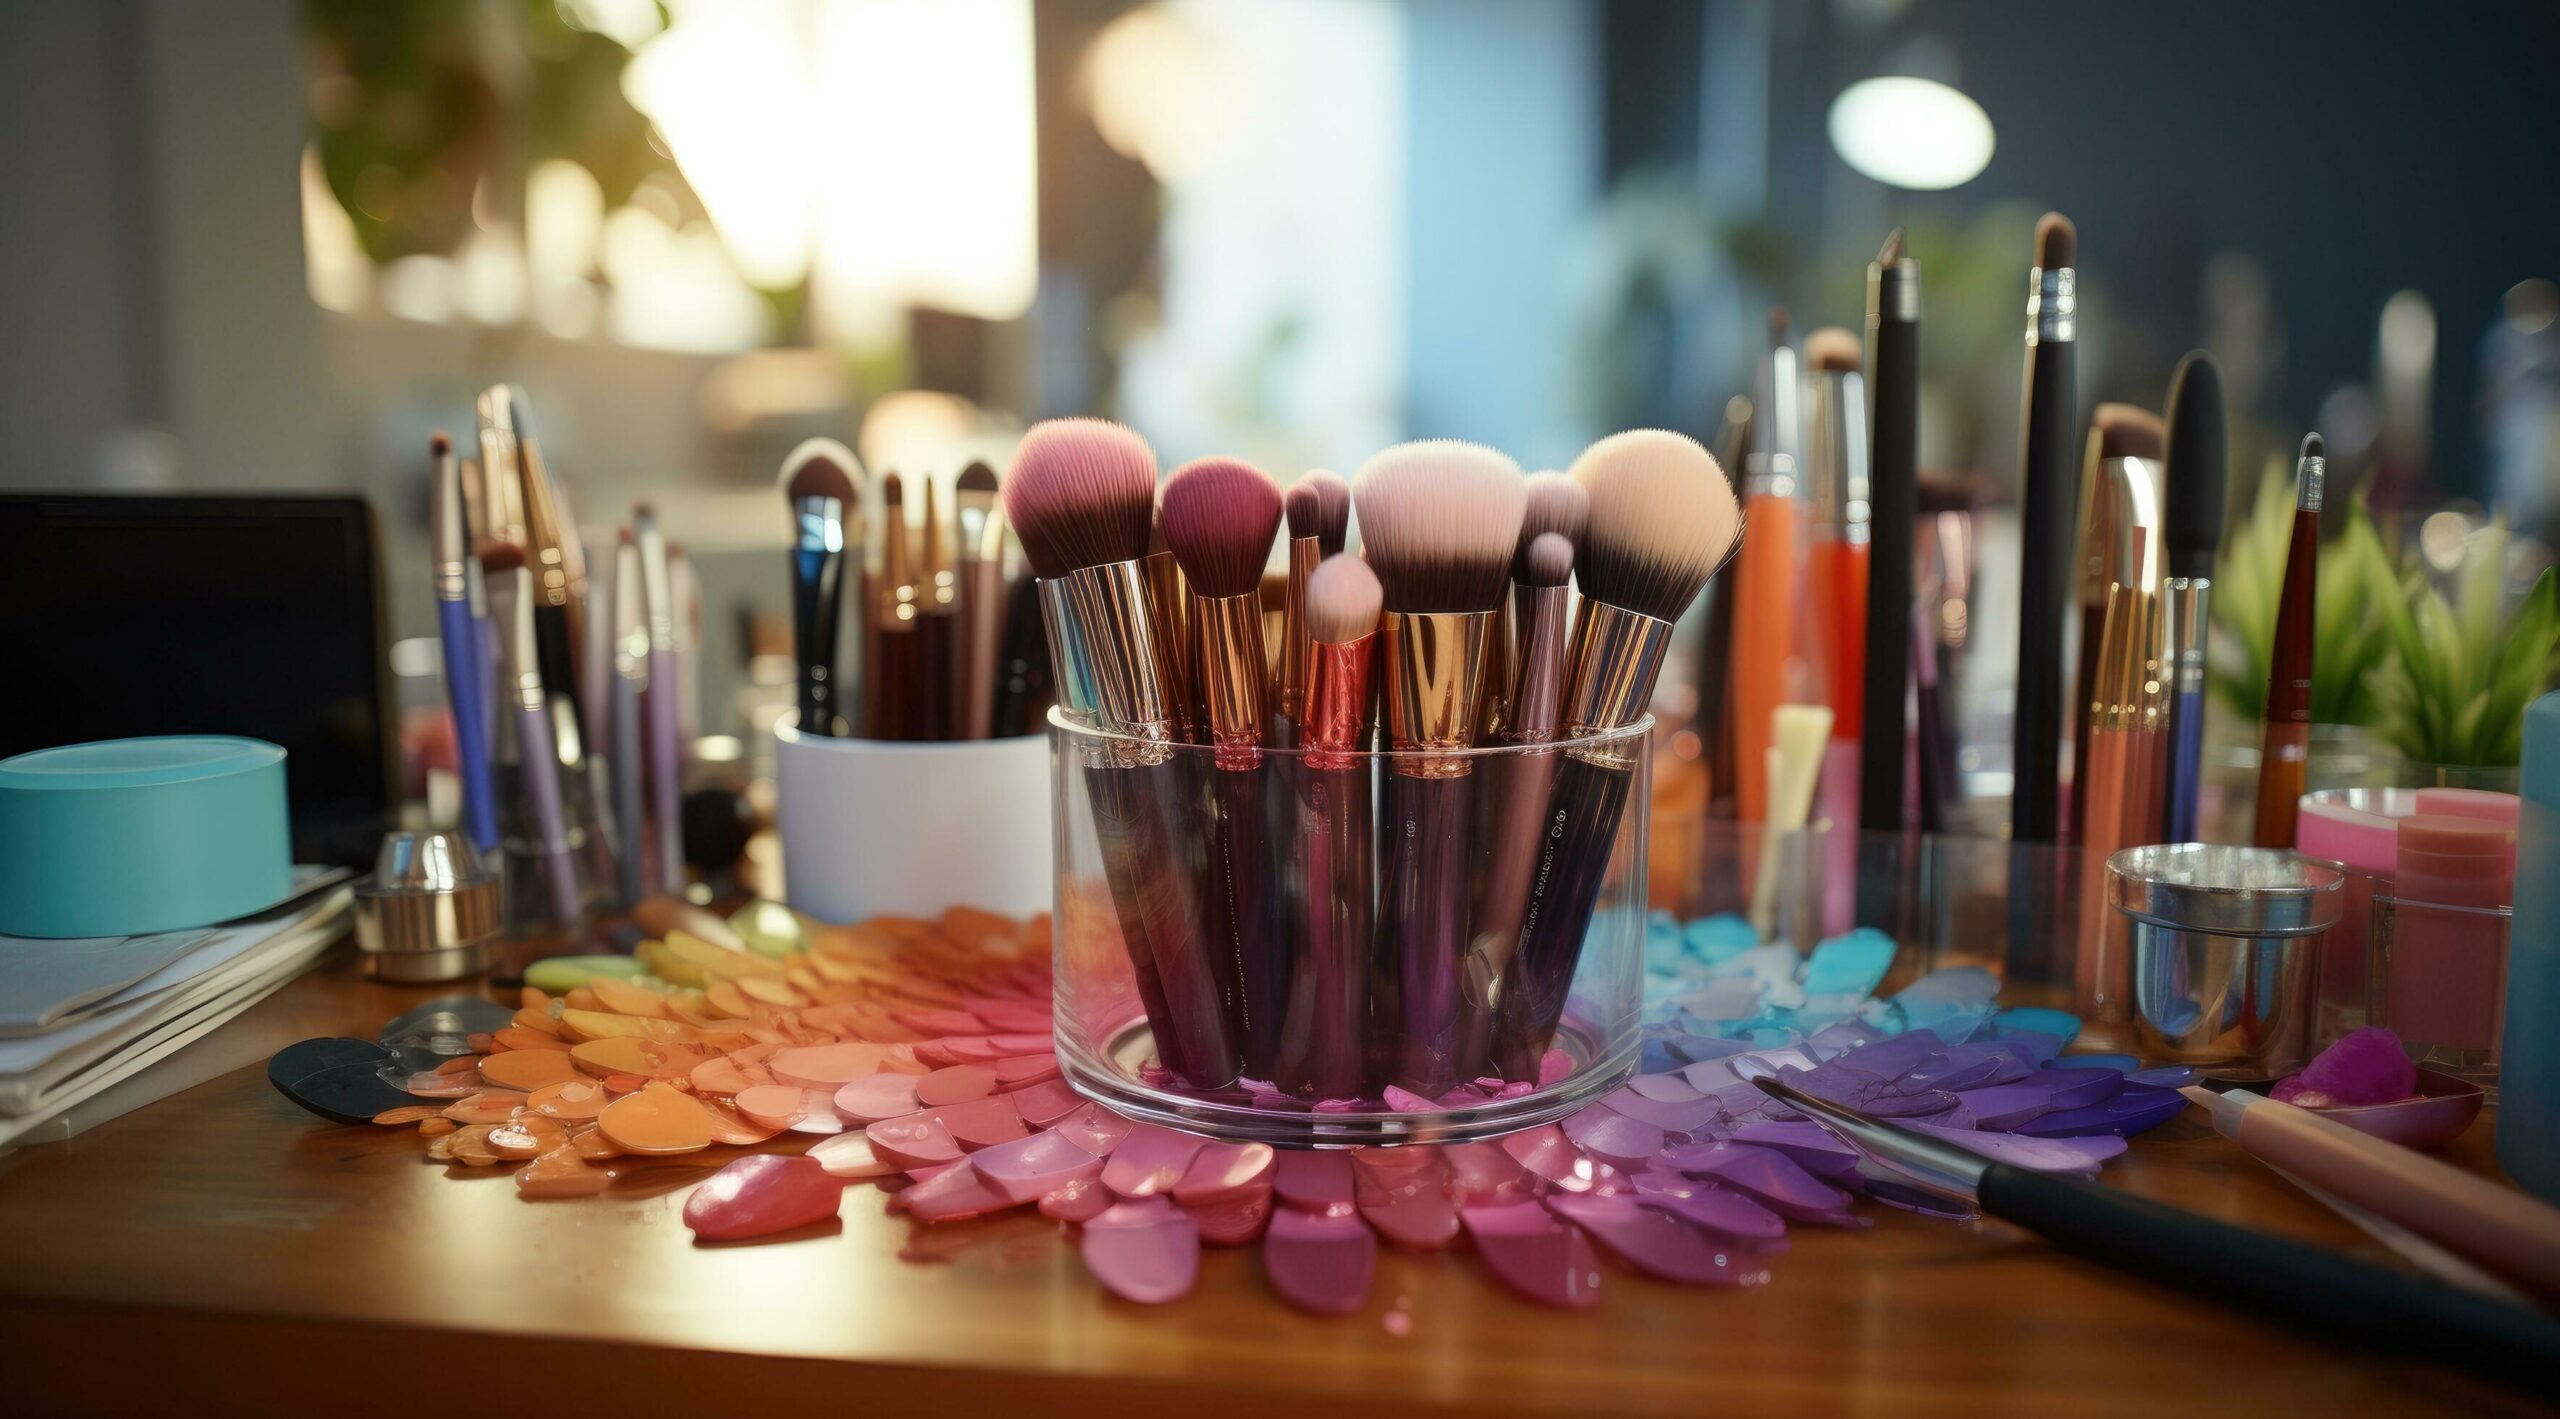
pixel 1070 656
pixel 821 524
pixel 657 588
pixel 1893 292
pixel 1888 1153
pixel 2188 599
pixel 1835 473
pixel 630 630
pixel 524 665
pixel 449 535
pixel 2053 306
pixel 1531 703
pixel 1107 613
pixel 2314 474
pixel 1617 655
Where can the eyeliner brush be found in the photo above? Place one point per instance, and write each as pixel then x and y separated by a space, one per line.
pixel 2045 529
pixel 2196 469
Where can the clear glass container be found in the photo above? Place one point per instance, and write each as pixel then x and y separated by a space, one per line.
pixel 2438 979
pixel 1319 950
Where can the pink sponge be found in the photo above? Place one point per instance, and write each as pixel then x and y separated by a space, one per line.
pixel 2366 1067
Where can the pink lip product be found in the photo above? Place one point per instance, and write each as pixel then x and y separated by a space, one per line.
pixel 2502 1230
pixel 2358 829
pixel 2439 951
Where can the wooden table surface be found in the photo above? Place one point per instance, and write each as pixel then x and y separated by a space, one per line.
pixel 223 1251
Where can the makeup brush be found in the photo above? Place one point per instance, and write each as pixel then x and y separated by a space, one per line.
pixel 2329 1295
pixel 1663 519
pixel 982 601
pixel 2044 529
pixel 1893 482
pixel 1837 552
pixel 2284 759
pixel 1440 519
pixel 1317 508
pixel 1515 794
pixel 1169 605
pixel 1769 594
pixel 511 605
pixel 818 483
pixel 1715 653
pixel 2119 526
pixel 937 623
pixel 1023 692
pixel 1321 1052
pixel 551 551
pixel 1219 516
pixel 630 685
pixel 465 668
pixel 658 604
pixel 1556 505
pixel 2195 470
pixel 2121 800
pixel 1798 740
pixel 1081 498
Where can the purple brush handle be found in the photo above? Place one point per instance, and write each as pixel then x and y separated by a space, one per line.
pixel 1512 805
pixel 1135 810
pixel 662 769
pixel 1425 895
pixel 1324 1022
pixel 1240 909
pixel 1108 793
pixel 466 682
pixel 542 792
pixel 1581 825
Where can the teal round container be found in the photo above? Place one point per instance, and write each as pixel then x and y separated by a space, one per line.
pixel 133 835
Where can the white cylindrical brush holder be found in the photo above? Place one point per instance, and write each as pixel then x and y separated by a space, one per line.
pixel 876 827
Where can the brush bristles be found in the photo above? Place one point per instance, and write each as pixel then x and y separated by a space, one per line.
pixel 1663 518
pixel 1300 505
pixel 1546 561
pixel 498 558
pixel 820 468
pixel 2196 466
pixel 2128 431
pixel 1343 600
pixel 1440 519
pixel 1081 493
pixel 1333 510
pixel 2057 241
pixel 976 478
pixel 1892 250
pixel 1832 350
pixel 1219 517
pixel 440 445
pixel 1554 503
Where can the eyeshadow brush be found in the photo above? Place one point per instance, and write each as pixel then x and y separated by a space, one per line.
pixel 818 483
pixel 1081 498
pixel 1663 519
pixel 2331 1296
pixel 511 609
pixel 1022 689
pixel 1893 481
pixel 2285 753
pixel 1440 520
pixel 1769 580
pixel 1555 504
pixel 465 665
pixel 1321 1054
pixel 982 601
pixel 2045 528
pixel 1219 516
pixel 658 604
pixel 2195 471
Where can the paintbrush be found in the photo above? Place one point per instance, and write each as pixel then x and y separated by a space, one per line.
pixel 1663 519
pixel 1318 509
pixel 1893 481
pixel 982 601
pixel 1081 497
pixel 1219 516
pixel 2195 470
pixel 818 483
pixel 466 666
pixel 2045 528
pixel 511 607
pixel 2285 756
pixel 1328 1003
pixel 1440 520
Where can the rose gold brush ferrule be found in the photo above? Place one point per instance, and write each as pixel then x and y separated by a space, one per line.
pixel 1337 701
pixel 1232 685
pixel 1435 685
pixel 1617 655
pixel 1297 648
pixel 1168 603
pixel 1108 610
pixel 1537 674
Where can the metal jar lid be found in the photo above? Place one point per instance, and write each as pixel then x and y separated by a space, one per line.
pixel 430 910
pixel 2225 890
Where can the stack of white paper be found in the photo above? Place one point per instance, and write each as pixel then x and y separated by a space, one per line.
pixel 78 1017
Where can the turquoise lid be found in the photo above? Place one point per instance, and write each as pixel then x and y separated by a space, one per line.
pixel 132 835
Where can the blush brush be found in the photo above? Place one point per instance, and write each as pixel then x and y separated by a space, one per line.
pixel 1081 498
pixel 818 483
pixel 1219 516
pixel 1321 1050
pixel 1663 519
pixel 1440 520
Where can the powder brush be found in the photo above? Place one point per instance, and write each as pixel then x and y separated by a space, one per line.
pixel 818 485
pixel 2196 468
pixel 1893 493
pixel 1440 520
pixel 1080 495
pixel 982 601
pixel 1218 517
pixel 1663 520
pixel 1321 1050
